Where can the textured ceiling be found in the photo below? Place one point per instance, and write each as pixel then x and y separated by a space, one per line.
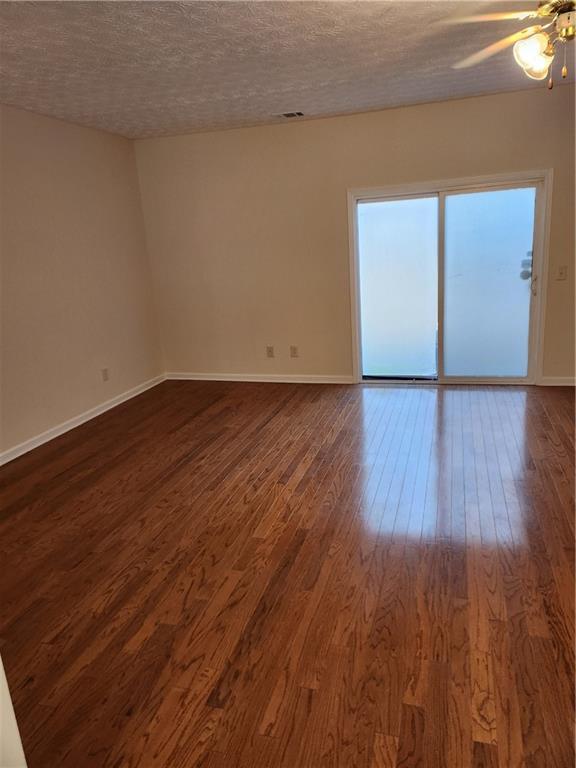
pixel 161 68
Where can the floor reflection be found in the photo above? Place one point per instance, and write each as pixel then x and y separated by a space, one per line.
pixel 445 463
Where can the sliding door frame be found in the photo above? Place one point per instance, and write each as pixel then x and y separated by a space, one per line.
pixel 542 181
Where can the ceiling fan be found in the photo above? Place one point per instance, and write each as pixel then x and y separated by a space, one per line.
pixel 536 45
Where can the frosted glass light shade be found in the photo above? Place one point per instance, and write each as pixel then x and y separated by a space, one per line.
pixel 538 70
pixel 527 51
pixel 537 74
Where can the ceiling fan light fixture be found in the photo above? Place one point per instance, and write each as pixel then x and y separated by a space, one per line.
pixel 540 70
pixel 540 66
pixel 534 47
pixel 529 51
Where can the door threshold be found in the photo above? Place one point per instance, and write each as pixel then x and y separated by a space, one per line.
pixel 450 381
pixel 402 379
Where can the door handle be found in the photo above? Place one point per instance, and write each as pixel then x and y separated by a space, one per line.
pixel 533 285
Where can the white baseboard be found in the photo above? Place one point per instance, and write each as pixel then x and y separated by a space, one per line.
pixel 66 426
pixel 281 378
pixel 557 381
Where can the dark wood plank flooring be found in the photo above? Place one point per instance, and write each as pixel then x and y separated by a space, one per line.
pixel 296 576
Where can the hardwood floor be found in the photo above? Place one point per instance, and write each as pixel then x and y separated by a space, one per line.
pixel 296 576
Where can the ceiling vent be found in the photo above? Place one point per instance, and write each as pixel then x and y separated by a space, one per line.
pixel 289 115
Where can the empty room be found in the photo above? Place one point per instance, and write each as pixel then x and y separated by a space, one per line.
pixel 287 384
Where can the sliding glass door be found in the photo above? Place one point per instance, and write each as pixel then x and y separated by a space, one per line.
pixel 398 287
pixel 488 282
pixel 446 282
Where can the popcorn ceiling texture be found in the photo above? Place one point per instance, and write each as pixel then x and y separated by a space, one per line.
pixel 144 69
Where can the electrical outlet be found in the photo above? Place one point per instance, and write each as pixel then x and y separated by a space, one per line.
pixel 293 351
pixel 269 351
pixel 562 272
pixel 105 373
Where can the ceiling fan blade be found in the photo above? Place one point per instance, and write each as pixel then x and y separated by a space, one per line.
pixel 492 17
pixel 496 47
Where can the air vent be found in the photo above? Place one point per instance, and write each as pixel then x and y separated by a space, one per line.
pixel 291 114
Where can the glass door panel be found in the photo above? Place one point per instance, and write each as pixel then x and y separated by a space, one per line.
pixel 487 282
pixel 398 271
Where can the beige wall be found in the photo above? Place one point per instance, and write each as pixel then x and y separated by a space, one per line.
pixel 247 232
pixel 75 280
pixel 247 229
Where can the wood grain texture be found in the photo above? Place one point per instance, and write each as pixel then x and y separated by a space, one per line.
pixel 226 575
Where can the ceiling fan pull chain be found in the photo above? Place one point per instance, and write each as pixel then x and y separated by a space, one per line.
pixel 564 67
